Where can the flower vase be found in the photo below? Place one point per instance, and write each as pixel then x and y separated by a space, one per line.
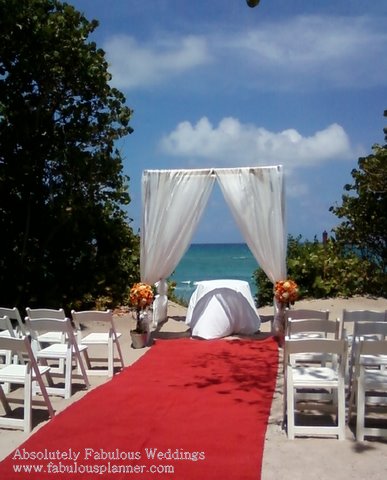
pixel 139 339
pixel 278 326
pixel 141 335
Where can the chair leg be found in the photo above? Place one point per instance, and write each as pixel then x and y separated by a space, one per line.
pixel 68 366
pixel 360 409
pixel 341 411
pixel 35 387
pixel 120 353
pixel 43 391
pixel 4 401
pixel 87 361
pixel 7 361
pixel 28 401
pixel 81 367
pixel 110 357
pixel 352 399
pixel 290 411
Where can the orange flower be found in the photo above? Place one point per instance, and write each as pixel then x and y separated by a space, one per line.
pixel 286 291
pixel 141 295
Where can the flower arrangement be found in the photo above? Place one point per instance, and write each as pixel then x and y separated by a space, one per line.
pixel 141 297
pixel 286 291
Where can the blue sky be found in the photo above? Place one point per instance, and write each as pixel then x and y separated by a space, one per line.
pixel 214 83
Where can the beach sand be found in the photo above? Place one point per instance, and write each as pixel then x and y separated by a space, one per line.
pixel 300 459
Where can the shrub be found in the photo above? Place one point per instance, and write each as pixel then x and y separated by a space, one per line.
pixel 324 270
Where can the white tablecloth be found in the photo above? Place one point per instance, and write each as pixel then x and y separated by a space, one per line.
pixel 219 308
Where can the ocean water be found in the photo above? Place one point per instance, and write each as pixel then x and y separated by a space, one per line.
pixel 212 261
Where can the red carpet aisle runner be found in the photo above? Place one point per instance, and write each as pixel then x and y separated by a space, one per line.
pixel 188 409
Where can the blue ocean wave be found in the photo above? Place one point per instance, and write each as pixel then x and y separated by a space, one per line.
pixel 212 262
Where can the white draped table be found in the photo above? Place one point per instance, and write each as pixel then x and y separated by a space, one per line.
pixel 219 308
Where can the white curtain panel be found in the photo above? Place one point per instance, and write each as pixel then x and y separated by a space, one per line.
pixel 173 203
pixel 256 199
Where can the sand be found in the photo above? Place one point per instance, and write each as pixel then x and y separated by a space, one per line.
pixel 303 458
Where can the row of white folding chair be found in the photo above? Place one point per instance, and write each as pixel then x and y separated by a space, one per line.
pixel 309 325
pixel 369 376
pixel 50 331
pixel 22 374
pixel 109 338
pixel 301 375
pixel 62 347
pixel 315 378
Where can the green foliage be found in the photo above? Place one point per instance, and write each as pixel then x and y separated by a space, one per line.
pixel 66 239
pixel 323 271
pixel 364 209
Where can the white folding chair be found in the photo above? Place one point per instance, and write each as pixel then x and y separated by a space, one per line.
pixel 25 375
pixel 369 387
pixel 67 351
pixel 6 331
pixel 108 338
pixel 329 379
pixel 47 337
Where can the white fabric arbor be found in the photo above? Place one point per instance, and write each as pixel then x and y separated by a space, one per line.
pixel 173 202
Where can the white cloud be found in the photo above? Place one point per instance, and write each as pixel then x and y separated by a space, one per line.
pixel 133 64
pixel 313 50
pixel 233 143
pixel 291 54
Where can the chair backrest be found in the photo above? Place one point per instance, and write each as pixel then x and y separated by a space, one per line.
pixel 14 316
pixel 38 326
pixel 92 316
pixel 22 345
pixel 365 315
pixel 321 327
pixel 373 329
pixel 376 348
pixel 6 326
pixel 33 313
pixel 351 317
pixel 318 345
pixel 374 352
pixel 306 314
